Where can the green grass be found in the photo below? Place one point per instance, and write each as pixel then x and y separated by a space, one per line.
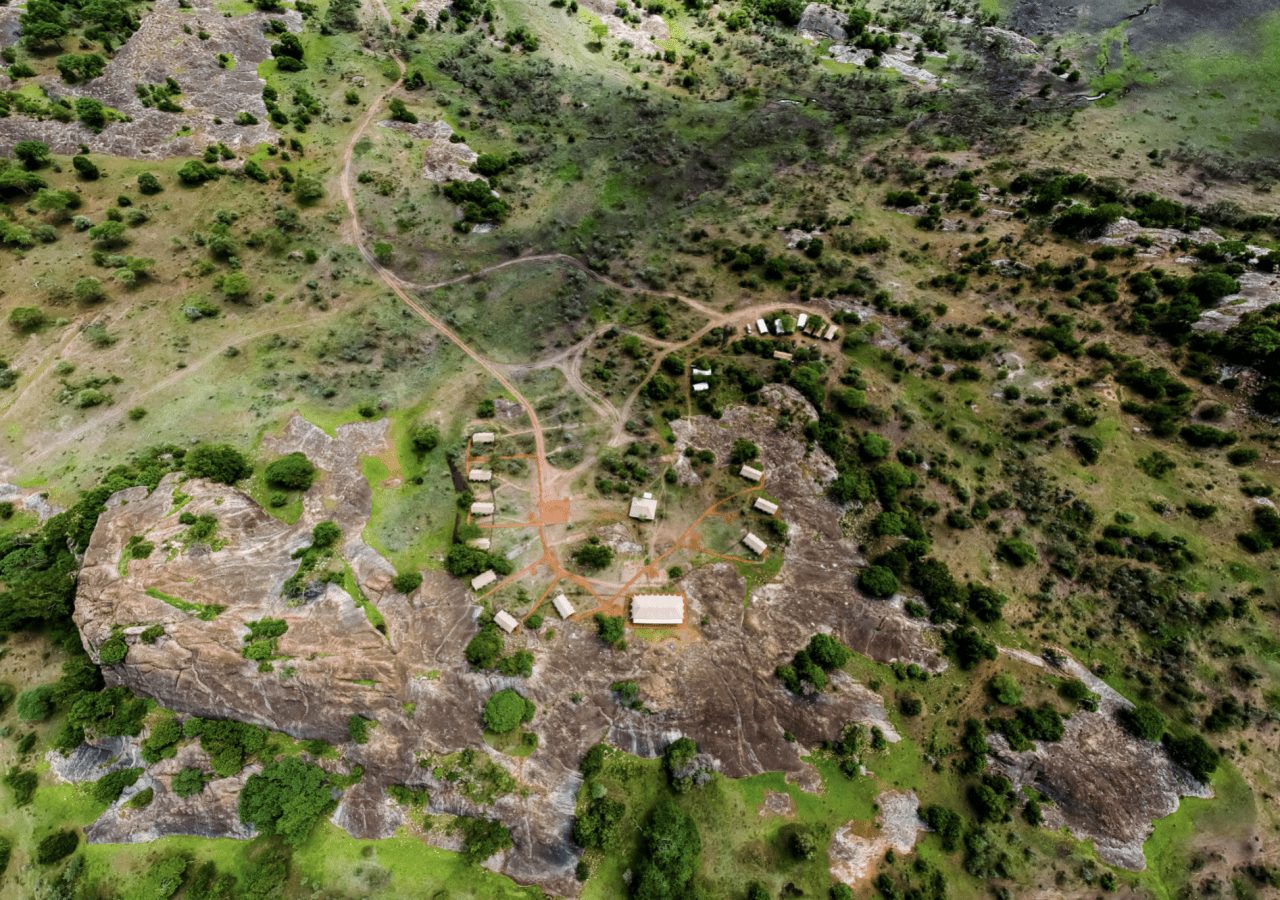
pixel 205 611
pixel 1231 812
pixel 352 587
pixel 514 743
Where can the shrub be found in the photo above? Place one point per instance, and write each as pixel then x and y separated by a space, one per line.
pixel 969 647
pixel 142 799
pixel 611 630
pixel 149 184
pixel 1016 552
pixel 593 554
pixel 37 704
pixel 597 828
pixel 113 650
pixel 162 742
pixel 424 438
pixel 27 319
pixel 56 846
pixel 287 798
pixel 293 472
pixel 506 710
pixel 109 787
pixel 189 782
pixel 407 582
pixel 1194 754
pixel 23 784
pixel 483 650
pixel 878 581
pixel 1005 690
pixel 217 462
pixel 358 729
pixel 1143 721
pixel 482 838
pixel 592 763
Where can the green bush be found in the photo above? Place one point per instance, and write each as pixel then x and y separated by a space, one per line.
pixel 612 630
pixel 288 798
pixel 670 851
pixel 27 319
pixel 109 787
pixel 23 784
pixel 217 462
pixel 593 555
pixel 56 846
pixel 358 729
pixel 1142 720
pixel 482 838
pixel 407 582
pixel 1194 754
pixel 142 799
pixel 293 472
pixel 37 704
pixel 878 581
pixel 483 650
pixel 1016 552
pixel 1005 690
pixel 506 711
pixel 113 650
pixel 189 782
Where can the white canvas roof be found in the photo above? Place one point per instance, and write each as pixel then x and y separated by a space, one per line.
pixel 831 333
pixel 801 320
pixel 705 373
pixel 750 473
pixel 563 606
pixel 781 354
pixel 701 386
pixel 644 508
pixel 767 507
pixel 657 609
pixel 480 475
pixel 505 621
pixel 754 543
pixel 484 579
pixel 481 509
pixel 760 323
pixel 482 437
pixel 777 326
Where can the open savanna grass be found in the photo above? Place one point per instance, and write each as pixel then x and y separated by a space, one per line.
pixel 523 313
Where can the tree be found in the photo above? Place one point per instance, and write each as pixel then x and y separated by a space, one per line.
pixel 969 648
pixel 597 827
pixel 593 554
pixel 109 234
pixel 236 287
pixel 308 189
pixel 43 24
pixel 482 838
pixel 343 15
pixel 878 581
pixel 292 472
pixel 32 154
pixel 743 451
pixel 671 849
pixel 506 710
pixel 26 319
pixel 287 798
pixel 36 704
pixel 400 112
pixel 407 582
pixel 611 630
pixel 1143 721
pixel 217 462
pixel 483 650
pixel 1194 754
pixel 56 846
pixel 424 438
pixel 802 844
